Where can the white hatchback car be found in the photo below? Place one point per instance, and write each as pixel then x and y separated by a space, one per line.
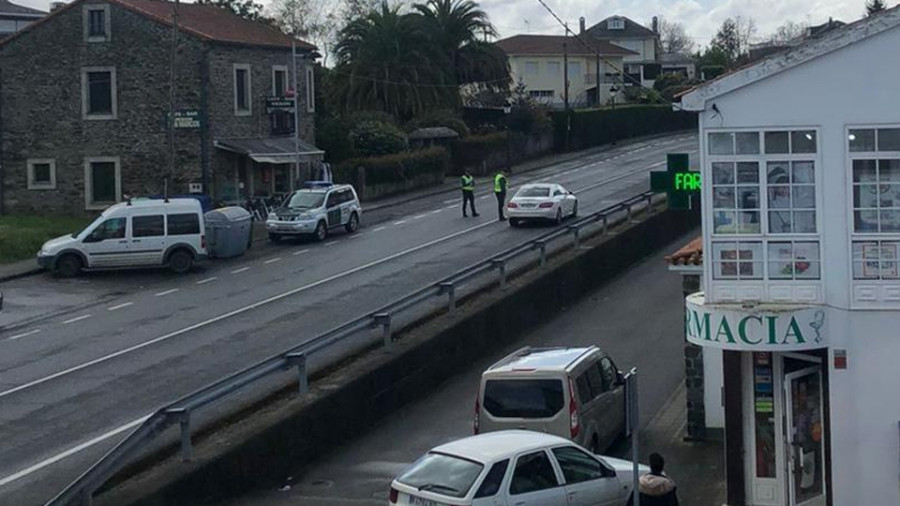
pixel 541 202
pixel 514 468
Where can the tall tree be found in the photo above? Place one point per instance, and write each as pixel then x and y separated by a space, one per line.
pixel 734 38
pixel 673 38
pixel 247 9
pixel 874 6
pixel 314 20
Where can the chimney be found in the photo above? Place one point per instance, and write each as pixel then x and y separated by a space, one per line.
pixel 55 6
pixel 656 25
pixel 581 25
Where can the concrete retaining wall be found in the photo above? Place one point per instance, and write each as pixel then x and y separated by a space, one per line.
pixel 288 435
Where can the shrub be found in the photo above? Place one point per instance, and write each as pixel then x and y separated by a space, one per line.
pixel 395 168
pixel 439 118
pixel 595 127
pixel 375 138
pixel 472 150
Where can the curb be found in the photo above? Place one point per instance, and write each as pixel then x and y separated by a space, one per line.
pixel 21 274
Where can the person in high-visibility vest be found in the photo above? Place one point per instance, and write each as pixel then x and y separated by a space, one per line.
pixel 468 190
pixel 500 185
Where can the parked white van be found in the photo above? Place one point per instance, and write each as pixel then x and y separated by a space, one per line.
pixel 138 233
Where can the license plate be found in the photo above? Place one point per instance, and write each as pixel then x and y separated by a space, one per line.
pixel 285 229
pixel 528 205
pixel 419 501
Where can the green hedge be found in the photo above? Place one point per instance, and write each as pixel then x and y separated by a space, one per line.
pixel 395 168
pixel 472 150
pixel 596 127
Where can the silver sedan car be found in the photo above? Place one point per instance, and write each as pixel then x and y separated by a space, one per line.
pixel 544 201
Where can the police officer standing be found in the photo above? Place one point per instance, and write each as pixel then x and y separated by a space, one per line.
pixel 468 190
pixel 500 192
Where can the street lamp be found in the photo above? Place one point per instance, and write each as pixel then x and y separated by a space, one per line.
pixel 507 108
pixel 613 90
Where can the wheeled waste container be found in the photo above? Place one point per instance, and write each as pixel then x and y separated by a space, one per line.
pixel 228 232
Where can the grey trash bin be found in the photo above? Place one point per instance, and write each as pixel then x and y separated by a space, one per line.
pixel 228 232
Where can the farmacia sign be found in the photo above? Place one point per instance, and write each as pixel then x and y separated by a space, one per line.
pixel 766 327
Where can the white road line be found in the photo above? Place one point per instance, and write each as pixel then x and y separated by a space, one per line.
pixel 25 334
pixel 71 451
pixel 379 229
pixel 450 201
pixel 167 292
pixel 401 222
pixel 419 216
pixel 119 306
pixel 242 310
pixel 450 207
pixel 484 197
pixel 207 280
pixel 330 243
pixel 76 319
pixel 272 260
pixel 357 236
pixel 242 269
pixel 300 252
pixel 436 211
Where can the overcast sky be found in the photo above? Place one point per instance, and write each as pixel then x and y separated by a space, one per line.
pixel 701 18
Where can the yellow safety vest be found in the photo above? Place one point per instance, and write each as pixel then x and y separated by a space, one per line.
pixel 498 186
pixel 468 183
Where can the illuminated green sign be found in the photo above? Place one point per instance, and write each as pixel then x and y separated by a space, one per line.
pixel 678 181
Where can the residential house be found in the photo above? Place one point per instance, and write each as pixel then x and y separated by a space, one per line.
pixel 800 297
pixel 539 61
pixel 674 63
pixel 761 50
pixel 642 66
pixel 14 17
pixel 85 100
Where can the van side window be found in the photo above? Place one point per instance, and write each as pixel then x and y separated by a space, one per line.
pixel 533 472
pixel 347 196
pixel 183 224
pixel 491 484
pixel 595 378
pixel 609 372
pixel 334 198
pixel 113 228
pixel 584 388
pixel 147 226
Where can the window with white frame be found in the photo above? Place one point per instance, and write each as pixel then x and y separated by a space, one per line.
pixel 242 90
pixel 875 260
pixel 98 93
pixel 96 23
pixel 41 174
pixel 279 80
pixel 615 24
pixel 310 90
pixel 102 182
pixel 764 188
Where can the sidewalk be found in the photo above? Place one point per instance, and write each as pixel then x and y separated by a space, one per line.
pixel 697 467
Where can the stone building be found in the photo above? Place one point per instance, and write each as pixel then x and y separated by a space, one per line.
pixel 85 98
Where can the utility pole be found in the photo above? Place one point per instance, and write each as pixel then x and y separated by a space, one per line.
pixel 598 79
pixel 296 108
pixel 172 98
pixel 566 84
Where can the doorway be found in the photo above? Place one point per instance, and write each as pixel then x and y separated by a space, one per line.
pixel 804 419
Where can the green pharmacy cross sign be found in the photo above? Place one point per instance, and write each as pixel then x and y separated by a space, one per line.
pixel 679 182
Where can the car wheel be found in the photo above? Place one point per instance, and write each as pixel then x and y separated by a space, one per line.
pixel 69 266
pixel 181 261
pixel 275 237
pixel 352 224
pixel 321 231
pixel 559 216
pixel 575 210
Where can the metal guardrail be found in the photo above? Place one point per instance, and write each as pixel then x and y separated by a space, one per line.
pixel 82 489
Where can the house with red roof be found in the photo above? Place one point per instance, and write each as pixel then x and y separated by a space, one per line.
pixel 86 93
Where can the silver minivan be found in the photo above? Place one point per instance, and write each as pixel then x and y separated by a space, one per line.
pixel 575 393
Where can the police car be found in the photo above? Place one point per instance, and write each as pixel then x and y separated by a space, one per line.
pixel 315 210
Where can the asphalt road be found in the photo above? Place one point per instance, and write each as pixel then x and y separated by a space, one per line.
pixel 82 361
pixel 614 318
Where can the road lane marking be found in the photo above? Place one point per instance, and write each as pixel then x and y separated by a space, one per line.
pixel 436 211
pixel 401 222
pixel 484 196
pixel 25 334
pixel 357 236
pixel 300 252
pixel 71 451
pixel 242 310
pixel 207 280
pixel 119 306
pixel 379 229
pixel 272 260
pixel 76 319
pixel 330 243
pixel 167 292
pixel 419 216
pixel 450 207
pixel 238 271
pixel 450 201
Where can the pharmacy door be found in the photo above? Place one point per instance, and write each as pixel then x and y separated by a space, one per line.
pixel 805 439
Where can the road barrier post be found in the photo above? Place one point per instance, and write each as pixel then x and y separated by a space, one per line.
pixel 184 420
pixel 384 319
pixel 299 360
pixel 628 210
pixel 605 223
pixel 450 288
pixel 501 265
pixel 574 229
pixel 542 244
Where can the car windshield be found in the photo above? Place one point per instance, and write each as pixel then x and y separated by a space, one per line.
pixel 534 191
pixel 305 200
pixel 442 474
pixel 78 234
pixel 536 398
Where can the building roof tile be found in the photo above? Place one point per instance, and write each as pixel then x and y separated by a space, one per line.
pixel 632 30
pixel 689 254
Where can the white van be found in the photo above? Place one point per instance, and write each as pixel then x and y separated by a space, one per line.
pixel 138 233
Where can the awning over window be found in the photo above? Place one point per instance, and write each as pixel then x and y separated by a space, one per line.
pixel 271 150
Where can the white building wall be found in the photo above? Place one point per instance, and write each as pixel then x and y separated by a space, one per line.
pixel 851 86
pixel 546 79
pixel 713 379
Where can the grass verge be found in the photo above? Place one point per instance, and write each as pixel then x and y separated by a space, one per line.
pixel 21 236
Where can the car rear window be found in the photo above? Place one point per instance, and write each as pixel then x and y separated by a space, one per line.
pixel 523 398
pixel 442 474
pixel 535 191
pixel 184 224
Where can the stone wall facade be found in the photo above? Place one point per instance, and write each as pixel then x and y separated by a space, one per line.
pixel 693 373
pixel 41 96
